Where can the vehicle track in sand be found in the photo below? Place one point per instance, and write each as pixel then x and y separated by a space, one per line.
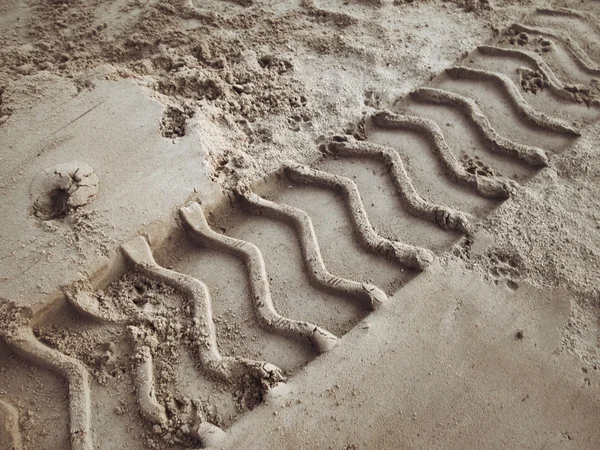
pixel 276 275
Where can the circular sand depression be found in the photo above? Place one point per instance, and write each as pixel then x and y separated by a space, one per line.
pixel 58 190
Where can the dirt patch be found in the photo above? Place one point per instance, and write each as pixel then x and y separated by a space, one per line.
pixel 234 65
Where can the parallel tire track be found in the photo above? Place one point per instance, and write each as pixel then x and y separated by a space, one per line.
pixel 443 216
pixel 493 187
pixel 516 98
pixel 409 255
pixel 557 87
pixel 311 253
pixel 534 156
pixel 196 222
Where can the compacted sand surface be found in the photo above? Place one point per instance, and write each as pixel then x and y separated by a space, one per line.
pixel 309 224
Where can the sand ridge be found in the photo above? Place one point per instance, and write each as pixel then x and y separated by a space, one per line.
pixel 318 179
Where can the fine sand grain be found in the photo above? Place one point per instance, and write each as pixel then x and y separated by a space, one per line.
pixel 250 224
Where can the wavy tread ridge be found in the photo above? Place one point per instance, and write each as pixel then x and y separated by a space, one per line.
pixel 228 369
pixel 311 253
pixel 534 156
pixel 580 57
pixel 9 427
pixel 321 339
pixel 556 86
pixel 150 408
pixel 515 96
pixel 493 187
pixel 408 255
pixel 23 342
pixel 443 216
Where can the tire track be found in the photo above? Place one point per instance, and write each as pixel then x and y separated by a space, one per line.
pixel 492 187
pixel 531 155
pixel 321 339
pixel 196 222
pixel 578 55
pixel 557 88
pixel 311 253
pixel 446 218
pixel 232 369
pixel 515 97
pixel 408 255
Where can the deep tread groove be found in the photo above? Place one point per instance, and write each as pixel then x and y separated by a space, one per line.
pixel 408 255
pixel 307 332
pixel 443 216
pixel 534 156
pixel 493 187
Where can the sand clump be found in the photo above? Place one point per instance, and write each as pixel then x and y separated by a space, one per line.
pixel 57 191
pixel 146 314
pixel 235 66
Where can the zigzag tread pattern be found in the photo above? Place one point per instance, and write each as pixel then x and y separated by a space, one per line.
pixel 578 55
pixel 558 88
pixel 411 256
pixel 231 369
pixel 493 187
pixel 532 155
pixel 445 217
pixel 515 96
pixel 196 221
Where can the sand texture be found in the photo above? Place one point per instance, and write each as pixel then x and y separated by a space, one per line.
pixel 248 224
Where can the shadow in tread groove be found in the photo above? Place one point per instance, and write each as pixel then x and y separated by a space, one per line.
pixel 311 253
pixel 534 156
pixel 411 256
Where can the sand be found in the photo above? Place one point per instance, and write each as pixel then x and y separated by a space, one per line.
pixel 331 224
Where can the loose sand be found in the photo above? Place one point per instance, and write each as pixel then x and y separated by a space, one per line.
pixel 254 327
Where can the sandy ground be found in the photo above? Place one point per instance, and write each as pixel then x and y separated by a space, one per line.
pixel 114 114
